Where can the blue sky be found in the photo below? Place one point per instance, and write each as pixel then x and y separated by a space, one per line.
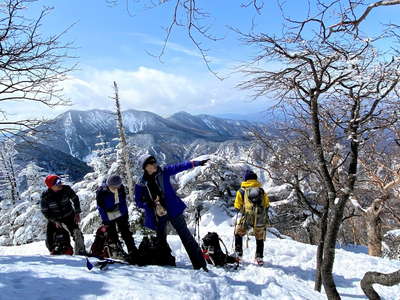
pixel 113 44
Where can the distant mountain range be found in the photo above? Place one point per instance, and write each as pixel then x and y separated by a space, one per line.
pixel 264 117
pixel 63 144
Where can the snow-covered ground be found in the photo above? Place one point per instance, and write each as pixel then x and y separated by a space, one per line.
pixel 27 272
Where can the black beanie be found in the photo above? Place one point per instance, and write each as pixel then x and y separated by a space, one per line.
pixel 250 175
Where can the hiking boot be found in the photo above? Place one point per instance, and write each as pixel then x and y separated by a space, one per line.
pixel 259 261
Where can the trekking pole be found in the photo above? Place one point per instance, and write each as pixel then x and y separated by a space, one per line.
pixel 198 217
pixel 234 231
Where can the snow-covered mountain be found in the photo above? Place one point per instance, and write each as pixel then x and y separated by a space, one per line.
pixel 76 132
pixel 64 144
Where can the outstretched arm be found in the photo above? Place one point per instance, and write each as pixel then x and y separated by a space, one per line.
pixel 171 170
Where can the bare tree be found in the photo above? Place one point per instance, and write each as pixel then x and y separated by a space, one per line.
pixel 124 144
pixel 32 66
pixel 335 80
pixel 349 19
pixel 381 176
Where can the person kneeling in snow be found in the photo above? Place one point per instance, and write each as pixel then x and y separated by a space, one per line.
pixel 113 209
pixel 155 194
pixel 56 207
pixel 253 203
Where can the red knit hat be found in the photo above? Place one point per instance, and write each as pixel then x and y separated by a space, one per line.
pixel 52 180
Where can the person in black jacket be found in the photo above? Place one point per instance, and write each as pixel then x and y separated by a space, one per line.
pixel 113 209
pixel 56 206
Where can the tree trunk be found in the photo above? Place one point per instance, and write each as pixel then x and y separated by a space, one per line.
pixel 374 228
pixel 320 252
pixel 335 213
pixel 371 278
pixel 125 153
pixel 335 217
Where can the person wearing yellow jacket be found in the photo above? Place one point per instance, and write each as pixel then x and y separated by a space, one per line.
pixel 252 203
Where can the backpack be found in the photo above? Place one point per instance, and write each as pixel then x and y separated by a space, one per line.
pixel 153 252
pixel 212 251
pixel 253 197
pixel 106 244
pixel 61 243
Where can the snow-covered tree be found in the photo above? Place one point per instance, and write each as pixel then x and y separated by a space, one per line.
pixel 9 190
pixel 33 177
pixel 214 184
pixel 24 222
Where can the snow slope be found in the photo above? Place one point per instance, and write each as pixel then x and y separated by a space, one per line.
pixel 27 272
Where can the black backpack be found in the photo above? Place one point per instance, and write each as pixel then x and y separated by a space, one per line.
pixel 61 242
pixel 213 253
pixel 153 252
pixel 106 244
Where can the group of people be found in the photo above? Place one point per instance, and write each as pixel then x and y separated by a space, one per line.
pixel 156 196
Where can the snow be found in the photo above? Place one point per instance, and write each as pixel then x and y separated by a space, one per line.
pixel 27 272
pixel 394 233
pixel 356 204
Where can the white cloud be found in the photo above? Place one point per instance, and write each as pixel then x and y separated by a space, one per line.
pixel 148 89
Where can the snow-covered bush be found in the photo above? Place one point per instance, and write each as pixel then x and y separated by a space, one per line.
pixel 22 224
pixel 391 244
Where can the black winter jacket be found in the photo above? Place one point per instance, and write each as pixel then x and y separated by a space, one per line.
pixel 57 205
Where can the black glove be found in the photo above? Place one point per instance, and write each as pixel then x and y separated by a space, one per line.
pixel 203 162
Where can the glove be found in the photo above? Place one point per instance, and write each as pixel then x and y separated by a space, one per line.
pixel 202 162
pixel 58 224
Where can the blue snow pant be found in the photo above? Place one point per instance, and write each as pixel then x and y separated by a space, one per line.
pixel 188 241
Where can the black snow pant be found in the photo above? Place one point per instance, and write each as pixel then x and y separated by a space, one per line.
pixel 239 246
pixel 188 241
pixel 123 227
pixel 68 221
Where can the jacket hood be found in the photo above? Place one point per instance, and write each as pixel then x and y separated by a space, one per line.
pixel 251 183
pixel 143 158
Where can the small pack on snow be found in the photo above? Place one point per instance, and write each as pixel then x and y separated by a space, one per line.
pixel 213 253
pixel 61 243
pixel 153 252
pixel 106 245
